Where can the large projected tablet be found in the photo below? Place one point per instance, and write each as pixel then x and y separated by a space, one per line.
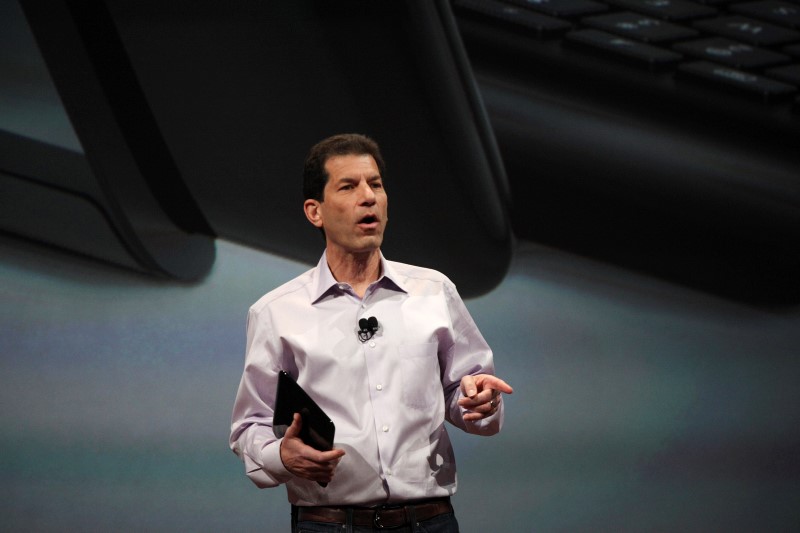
pixel 236 93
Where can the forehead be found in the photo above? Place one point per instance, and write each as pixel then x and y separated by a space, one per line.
pixel 351 166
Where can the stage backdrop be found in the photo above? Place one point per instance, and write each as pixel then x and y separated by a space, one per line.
pixel 638 405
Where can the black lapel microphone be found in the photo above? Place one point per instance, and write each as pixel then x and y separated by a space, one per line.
pixel 367 328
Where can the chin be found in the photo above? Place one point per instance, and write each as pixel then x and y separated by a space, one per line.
pixel 369 244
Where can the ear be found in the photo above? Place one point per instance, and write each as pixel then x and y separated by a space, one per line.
pixel 313 212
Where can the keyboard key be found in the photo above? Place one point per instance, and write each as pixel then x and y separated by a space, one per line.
pixel 792 50
pixel 647 55
pixel 639 27
pixel 782 13
pixel 532 23
pixel 737 80
pixel 748 30
pixel 720 3
pixel 789 74
pixel 731 53
pixel 674 10
pixel 563 8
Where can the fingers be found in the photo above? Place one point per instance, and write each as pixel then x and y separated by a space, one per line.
pixel 472 385
pixel 306 462
pixel 493 382
pixel 485 402
pixel 482 395
pixel 331 456
pixel 319 467
pixel 482 410
pixel 303 460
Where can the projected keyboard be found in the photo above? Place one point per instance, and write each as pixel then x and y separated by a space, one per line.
pixel 751 48
pixel 663 135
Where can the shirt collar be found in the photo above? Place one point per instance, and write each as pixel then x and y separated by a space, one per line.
pixel 325 282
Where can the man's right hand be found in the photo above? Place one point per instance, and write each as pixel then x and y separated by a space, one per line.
pixel 303 460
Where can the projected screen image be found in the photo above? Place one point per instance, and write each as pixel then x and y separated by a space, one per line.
pixel 639 404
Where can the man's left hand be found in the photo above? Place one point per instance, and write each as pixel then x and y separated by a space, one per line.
pixel 482 395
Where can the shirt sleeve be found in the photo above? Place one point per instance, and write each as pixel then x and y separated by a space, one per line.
pixel 466 353
pixel 252 437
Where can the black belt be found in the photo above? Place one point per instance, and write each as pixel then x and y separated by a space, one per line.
pixel 385 517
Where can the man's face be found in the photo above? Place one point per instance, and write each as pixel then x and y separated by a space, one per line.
pixel 354 211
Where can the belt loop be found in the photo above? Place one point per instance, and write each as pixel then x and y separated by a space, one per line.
pixel 411 516
pixel 349 524
pixel 294 518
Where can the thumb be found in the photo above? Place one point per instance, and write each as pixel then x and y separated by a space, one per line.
pixel 293 431
pixel 468 387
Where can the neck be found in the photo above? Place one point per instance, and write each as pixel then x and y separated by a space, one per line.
pixel 357 269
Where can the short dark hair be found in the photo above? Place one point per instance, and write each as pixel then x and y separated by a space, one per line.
pixel 315 177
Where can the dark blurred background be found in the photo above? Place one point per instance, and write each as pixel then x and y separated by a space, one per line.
pixel 150 160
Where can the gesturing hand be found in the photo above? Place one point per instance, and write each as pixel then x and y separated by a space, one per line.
pixel 482 395
pixel 303 460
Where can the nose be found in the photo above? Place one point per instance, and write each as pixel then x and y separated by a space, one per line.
pixel 367 193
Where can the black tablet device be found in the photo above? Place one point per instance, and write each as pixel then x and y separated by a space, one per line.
pixel 318 429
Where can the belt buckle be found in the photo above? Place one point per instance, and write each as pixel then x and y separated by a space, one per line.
pixel 376 521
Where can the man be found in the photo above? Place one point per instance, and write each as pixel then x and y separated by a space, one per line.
pixel 388 387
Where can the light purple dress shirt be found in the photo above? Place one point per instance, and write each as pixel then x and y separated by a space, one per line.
pixel 388 397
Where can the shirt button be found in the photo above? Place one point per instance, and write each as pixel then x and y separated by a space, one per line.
pixel 372 344
pixel 388 472
pixel 379 387
pixel 385 428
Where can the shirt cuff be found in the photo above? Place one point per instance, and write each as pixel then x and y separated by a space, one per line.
pixel 273 465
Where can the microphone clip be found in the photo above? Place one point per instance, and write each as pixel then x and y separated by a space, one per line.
pixel 367 328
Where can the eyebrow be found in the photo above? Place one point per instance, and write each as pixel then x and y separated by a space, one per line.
pixel 351 179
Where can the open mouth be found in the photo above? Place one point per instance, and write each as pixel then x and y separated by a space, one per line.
pixel 368 221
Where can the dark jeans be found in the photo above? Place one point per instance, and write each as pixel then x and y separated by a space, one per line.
pixel 445 523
